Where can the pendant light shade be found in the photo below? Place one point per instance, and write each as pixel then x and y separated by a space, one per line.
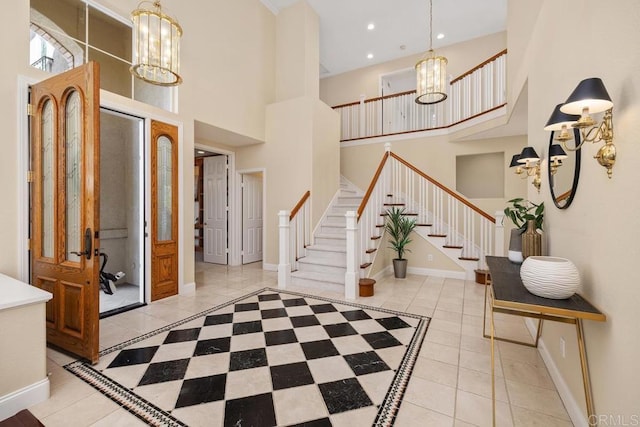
pixel 431 79
pixel 431 72
pixel 156 43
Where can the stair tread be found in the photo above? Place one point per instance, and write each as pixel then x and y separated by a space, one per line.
pixel 319 277
pixel 342 263
pixel 330 236
pixel 327 248
pixel 365 265
pixel 332 224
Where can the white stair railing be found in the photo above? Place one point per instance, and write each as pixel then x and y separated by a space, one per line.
pixel 449 215
pixel 294 237
pixel 480 90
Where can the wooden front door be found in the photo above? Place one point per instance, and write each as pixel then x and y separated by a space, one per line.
pixel 66 191
pixel 164 210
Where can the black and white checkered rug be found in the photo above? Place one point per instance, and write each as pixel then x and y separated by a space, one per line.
pixel 270 358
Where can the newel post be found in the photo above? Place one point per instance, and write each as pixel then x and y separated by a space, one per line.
pixel 499 235
pixel 352 276
pixel 284 267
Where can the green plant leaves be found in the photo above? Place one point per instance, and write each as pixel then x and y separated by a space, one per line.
pixel 399 227
pixel 522 210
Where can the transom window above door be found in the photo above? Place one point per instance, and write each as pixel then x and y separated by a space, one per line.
pixel 68 33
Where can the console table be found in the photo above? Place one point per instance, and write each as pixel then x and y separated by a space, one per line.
pixel 508 295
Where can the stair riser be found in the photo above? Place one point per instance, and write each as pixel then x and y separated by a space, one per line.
pixel 331 242
pixel 317 268
pixel 315 284
pixel 351 200
pixel 326 255
pixel 341 210
pixel 336 220
pixel 332 230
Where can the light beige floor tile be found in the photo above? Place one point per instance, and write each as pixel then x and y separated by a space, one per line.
pixel 439 372
pixel 480 383
pixel 164 395
pixel 520 353
pixel 441 353
pixel 205 414
pixel 119 418
pixel 376 385
pixel 431 395
pixel 63 395
pixel 445 325
pixel 458 423
pixel 328 369
pixel 299 403
pixel 477 410
pixel 525 418
pixel 83 412
pixel 357 417
pixel 536 399
pixel 248 382
pixel 477 344
pixel 442 337
pixel 450 316
pixel 411 415
pixel 479 362
pixel 526 373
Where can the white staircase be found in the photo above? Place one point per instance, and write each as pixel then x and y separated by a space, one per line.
pixel 323 265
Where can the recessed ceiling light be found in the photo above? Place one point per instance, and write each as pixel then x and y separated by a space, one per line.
pixel 371 26
pixel 440 36
pixel 200 152
pixel 370 55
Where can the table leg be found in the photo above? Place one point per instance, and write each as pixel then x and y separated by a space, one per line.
pixel 493 365
pixel 586 381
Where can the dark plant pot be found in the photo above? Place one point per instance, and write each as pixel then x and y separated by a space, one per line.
pixel 515 246
pixel 400 268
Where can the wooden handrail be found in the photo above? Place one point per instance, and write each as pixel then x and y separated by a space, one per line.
pixel 445 189
pixel 365 199
pixel 395 95
pixel 477 67
pixel 564 196
pixel 295 210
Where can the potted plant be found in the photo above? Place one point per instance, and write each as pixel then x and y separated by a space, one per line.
pixel 399 227
pixel 523 213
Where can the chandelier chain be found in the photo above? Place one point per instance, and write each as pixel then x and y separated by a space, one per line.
pixel 430 24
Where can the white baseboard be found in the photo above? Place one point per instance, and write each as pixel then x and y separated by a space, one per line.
pixel 21 399
pixel 269 267
pixel 573 408
pixel 448 274
pixel 188 288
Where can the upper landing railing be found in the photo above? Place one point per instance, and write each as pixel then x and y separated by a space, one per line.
pixel 478 91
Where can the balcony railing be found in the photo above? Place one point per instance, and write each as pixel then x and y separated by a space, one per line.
pixel 478 91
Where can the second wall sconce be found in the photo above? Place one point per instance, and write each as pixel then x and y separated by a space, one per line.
pixel 528 164
pixel 589 97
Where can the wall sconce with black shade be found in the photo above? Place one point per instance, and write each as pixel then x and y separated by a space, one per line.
pixel 589 97
pixel 556 155
pixel 527 164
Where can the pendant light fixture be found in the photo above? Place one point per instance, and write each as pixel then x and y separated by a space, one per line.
pixel 156 43
pixel 431 72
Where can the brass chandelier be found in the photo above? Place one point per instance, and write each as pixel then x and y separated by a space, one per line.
pixel 431 72
pixel 156 43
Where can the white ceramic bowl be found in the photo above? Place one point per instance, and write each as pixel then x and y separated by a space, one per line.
pixel 550 277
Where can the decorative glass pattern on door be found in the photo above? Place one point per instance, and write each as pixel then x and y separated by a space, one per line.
pixel 73 170
pixel 165 190
pixel 48 179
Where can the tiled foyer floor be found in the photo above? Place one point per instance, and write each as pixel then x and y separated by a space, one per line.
pixel 450 385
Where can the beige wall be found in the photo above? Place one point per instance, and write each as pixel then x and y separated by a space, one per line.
pixel 347 87
pixel 22 361
pixel 573 40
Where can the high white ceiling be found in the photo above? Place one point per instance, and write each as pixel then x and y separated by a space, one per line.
pixel 345 40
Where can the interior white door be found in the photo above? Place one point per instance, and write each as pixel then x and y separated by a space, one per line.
pixel 251 218
pixel 215 210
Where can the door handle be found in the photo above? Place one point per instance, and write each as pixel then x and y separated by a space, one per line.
pixel 88 243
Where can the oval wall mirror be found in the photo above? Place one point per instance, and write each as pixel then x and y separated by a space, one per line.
pixel 563 168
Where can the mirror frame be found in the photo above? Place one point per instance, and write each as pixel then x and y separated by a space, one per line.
pixel 576 172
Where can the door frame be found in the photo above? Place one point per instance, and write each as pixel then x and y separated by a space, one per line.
pixel 233 220
pixel 119 104
pixel 265 222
